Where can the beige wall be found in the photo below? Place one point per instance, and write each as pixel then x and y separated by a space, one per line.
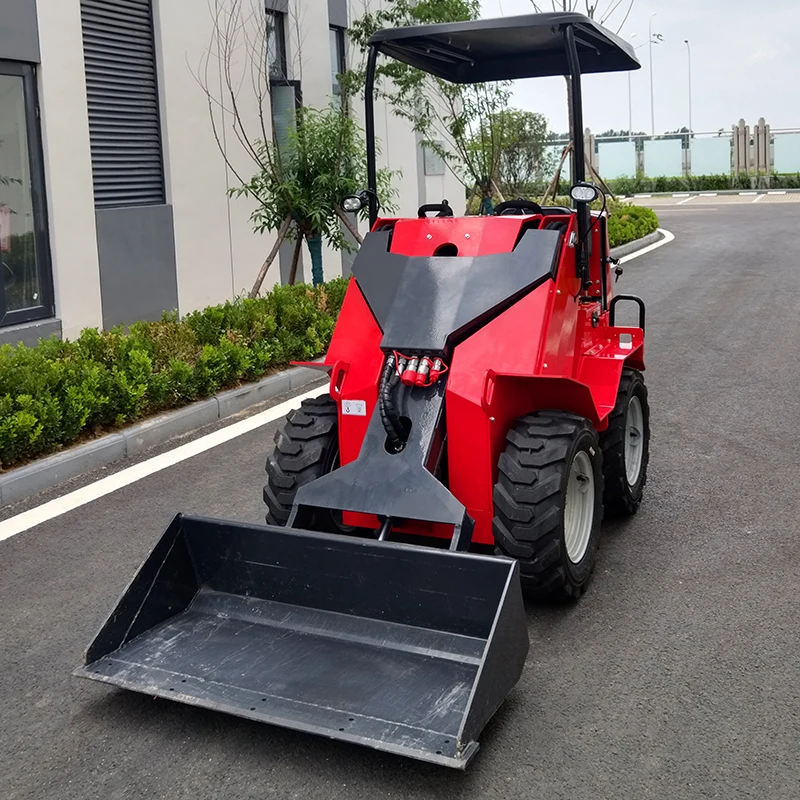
pixel 309 54
pixel 217 253
pixel 68 166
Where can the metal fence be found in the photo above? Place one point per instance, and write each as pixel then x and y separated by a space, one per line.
pixel 762 152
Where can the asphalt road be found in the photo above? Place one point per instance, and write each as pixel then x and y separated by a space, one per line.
pixel 677 676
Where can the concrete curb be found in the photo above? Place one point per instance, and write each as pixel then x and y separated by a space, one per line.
pixel 700 192
pixel 626 249
pixel 50 471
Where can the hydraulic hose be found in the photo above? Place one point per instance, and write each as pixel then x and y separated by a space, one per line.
pixel 390 418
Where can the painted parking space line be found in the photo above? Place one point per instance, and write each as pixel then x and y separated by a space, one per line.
pixel 684 202
pixel 759 198
pixel 668 237
pixel 87 494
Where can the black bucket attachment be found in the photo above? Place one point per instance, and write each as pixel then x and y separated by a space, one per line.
pixel 403 648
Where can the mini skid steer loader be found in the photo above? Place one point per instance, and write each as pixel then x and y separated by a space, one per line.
pixel 483 412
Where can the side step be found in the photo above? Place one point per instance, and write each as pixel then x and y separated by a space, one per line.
pixel 402 648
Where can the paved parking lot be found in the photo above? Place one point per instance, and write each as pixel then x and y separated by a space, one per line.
pixel 715 199
pixel 676 677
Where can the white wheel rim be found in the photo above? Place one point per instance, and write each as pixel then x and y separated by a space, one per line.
pixel 579 507
pixel 634 440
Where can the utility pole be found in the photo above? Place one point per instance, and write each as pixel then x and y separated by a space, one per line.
pixel 652 85
pixel 689 52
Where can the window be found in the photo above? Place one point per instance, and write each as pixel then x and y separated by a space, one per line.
pixel 286 100
pixel 276 45
pixel 122 95
pixel 285 95
pixel 25 283
pixel 338 63
pixel 434 163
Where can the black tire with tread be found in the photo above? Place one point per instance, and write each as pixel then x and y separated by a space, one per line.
pixel 619 497
pixel 306 448
pixel 529 499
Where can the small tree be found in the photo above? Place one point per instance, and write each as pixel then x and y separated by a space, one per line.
pixel 322 161
pixel 463 123
pixel 524 156
pixel 611 13
pixel 303 171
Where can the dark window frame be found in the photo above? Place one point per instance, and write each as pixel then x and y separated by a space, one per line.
pixel 278 18
pixel 341 43
pixel 41 235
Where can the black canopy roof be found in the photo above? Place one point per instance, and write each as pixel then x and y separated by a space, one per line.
pixel 529 46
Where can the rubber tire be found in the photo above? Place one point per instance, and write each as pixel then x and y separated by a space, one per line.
pixel 529 499
pixel 619 497
pixel 306 448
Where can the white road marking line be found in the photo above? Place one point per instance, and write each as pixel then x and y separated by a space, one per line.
pixel 747 194
pixel 684 202
pixel 668 237
pixel 709 194
pixel 61 505
pixel 682 194
pixel 760 197
pixel 775 193
pixel 642 196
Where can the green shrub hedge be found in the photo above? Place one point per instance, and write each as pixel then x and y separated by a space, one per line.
pixel 53 394
pixel 629 223
pixel 626 223
pixel 698 183
pixel 694 183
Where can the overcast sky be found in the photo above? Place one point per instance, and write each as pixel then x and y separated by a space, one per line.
pixel 745 63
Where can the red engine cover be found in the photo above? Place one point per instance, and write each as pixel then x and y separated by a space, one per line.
pixel 549 350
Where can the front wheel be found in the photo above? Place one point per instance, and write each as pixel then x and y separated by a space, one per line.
pixel 306 448
pixel 548 502
pixel 626 446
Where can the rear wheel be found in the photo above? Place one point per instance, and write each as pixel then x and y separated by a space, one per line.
pixel 548 502
pixel 626 446
pixel 306 448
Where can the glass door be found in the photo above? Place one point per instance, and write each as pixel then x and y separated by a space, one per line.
pixel 25 279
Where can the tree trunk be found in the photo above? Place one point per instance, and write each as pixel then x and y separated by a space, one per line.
pixel 552 189
pixel 314 243
pixel 349 225
pixel 262 273
pixel 497 191
pixel 295 259
pixel 475 190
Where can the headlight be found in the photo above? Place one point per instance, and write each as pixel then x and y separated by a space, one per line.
pixel 584 193
pixel 353 203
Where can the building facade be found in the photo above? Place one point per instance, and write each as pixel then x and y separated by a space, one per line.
pixel 114 202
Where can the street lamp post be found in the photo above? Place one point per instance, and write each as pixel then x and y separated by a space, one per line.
pixel 630 95
pixel 689 52
pixel 630 101
pixel 652 87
